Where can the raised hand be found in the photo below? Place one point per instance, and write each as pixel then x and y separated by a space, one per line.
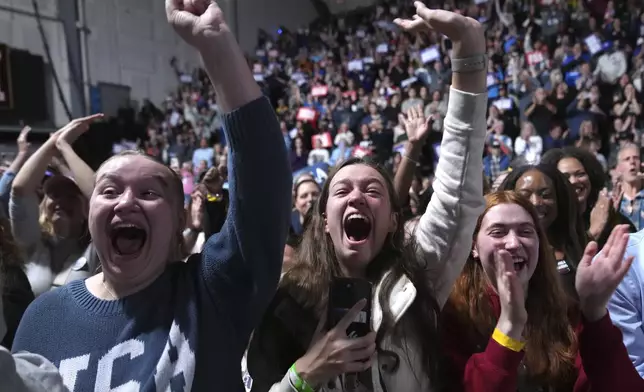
pixel 21 141
pixel 467 34
pixel 511 295
pixel 597 279
pixel 600 214
pixel 196 21
pixel 72 131
pixel 617 195
pixel 197 208
pixel 415 124
pixel 334 353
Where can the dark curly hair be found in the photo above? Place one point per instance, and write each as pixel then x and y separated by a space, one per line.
pixel 598 178
pixel 566 232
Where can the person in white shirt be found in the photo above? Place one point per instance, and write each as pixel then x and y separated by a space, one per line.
pixel 318 154
pixel 529 145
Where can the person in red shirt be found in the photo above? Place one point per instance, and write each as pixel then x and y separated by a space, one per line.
pixel 507 326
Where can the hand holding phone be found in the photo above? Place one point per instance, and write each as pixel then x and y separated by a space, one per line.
pixel 334 353
pixel 344 293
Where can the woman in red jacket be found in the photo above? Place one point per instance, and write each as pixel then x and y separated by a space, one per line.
pixel 506 324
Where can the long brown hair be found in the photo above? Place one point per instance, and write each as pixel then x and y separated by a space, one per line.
pixel 551 347
pixel 316 265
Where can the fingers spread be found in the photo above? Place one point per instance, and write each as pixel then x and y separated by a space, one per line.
pixel 589 253
pixel 624 267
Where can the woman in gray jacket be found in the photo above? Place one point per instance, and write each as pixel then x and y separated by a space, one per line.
pixel 357 231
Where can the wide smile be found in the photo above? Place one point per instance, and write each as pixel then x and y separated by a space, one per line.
pixel 357 228
pixel 519 263
pixel 127 239
pixel 542 211
pixel 579 189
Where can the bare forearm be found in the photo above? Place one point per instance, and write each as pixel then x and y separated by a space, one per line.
pixel 405 174
pixel 29 177
pixel 18 162
pixel 529 110
pixel 229 73
pixel 82 173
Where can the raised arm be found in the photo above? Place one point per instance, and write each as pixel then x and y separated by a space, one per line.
pixel 241 265
pixel 82 173
pixel 416 127
pixel 23 203
pixel 444 233
pixel 8 176
pixel 604 359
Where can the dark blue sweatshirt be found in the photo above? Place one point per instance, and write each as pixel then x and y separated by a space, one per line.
pixel 188 330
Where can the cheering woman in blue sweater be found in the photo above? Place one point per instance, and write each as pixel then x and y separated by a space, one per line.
pixel 149 322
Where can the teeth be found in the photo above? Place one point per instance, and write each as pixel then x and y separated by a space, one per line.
pixel 356 215
pixel 124 225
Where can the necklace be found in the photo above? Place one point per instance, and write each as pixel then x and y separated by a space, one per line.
pixel 108 290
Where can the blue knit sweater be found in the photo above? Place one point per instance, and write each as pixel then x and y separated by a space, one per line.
pixel 188 330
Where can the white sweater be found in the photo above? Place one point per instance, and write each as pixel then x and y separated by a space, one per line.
pixel 444 233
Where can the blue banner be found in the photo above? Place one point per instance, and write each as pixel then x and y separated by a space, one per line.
pixel 319 171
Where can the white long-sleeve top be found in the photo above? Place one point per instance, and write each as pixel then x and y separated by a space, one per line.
pixel 444 235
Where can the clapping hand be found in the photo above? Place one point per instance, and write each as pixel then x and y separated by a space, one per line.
pixel 597 279
pixel 334 353
pixel 68 134
pixel 511 295
pixel 600 214
pixel 21 141
pixel 415 124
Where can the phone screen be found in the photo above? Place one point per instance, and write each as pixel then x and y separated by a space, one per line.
pixel 344 293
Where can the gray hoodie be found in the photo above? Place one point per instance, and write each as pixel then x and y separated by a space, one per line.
pixel 25 372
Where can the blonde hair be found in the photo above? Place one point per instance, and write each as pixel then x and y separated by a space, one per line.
pixel 47 227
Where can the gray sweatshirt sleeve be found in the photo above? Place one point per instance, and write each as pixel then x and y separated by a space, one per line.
pixel 23 215
pixel 25 372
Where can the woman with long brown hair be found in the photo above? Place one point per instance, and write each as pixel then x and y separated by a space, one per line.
pixel 506 328
pixel 357 231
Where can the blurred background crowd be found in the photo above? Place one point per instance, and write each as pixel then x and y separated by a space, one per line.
pixel 560 73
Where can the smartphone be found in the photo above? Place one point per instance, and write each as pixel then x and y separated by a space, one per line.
pixel 344 293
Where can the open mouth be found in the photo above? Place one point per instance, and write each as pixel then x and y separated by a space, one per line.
pixel 357 227
pixel 127 239
pixel 519 263
pixel 579 189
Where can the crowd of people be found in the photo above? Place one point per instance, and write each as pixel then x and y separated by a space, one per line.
pixel 475 164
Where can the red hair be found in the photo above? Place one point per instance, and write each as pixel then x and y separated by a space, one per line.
pixel 551 347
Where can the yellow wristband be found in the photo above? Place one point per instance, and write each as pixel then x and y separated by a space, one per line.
pixel 507 342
